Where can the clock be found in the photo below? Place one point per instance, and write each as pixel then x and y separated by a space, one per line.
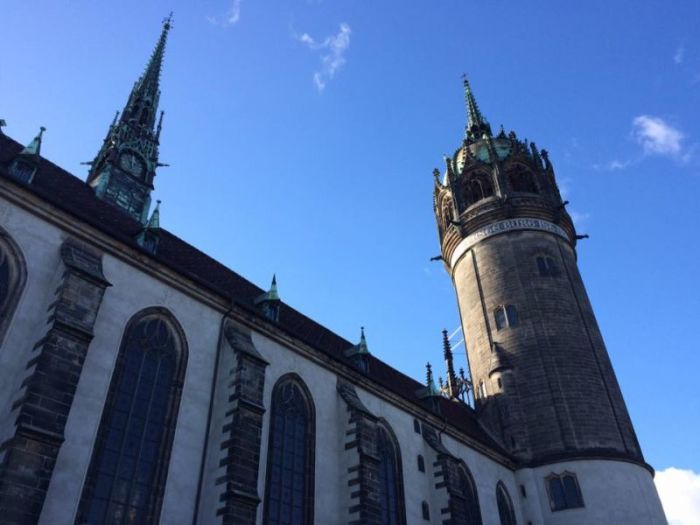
pixel 132 164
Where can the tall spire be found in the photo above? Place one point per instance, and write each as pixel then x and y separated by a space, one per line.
pixel 124 168
pixel 477 125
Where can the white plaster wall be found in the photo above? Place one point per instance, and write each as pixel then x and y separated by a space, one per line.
pixel 131 292
pixel 614 493
pixel 39 244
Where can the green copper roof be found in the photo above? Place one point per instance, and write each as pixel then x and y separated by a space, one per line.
pixel 34 147
pixel 154 221
pixel 272 294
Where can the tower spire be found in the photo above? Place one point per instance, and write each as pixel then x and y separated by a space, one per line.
pixel 124 168
pixel 477 125
pixel 449 361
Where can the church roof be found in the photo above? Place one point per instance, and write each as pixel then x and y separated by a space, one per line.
pixel 74 196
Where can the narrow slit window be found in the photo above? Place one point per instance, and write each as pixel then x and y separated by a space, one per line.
pixel 506 316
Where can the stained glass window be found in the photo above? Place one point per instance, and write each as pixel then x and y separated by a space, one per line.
pixel 290 461
pixel 129 464
pixel 471 499
pixel 12 278
pixel 390 482
pixel 505 506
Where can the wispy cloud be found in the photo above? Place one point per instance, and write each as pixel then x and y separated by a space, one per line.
pixel 230 17
pixel 332 50
pixel 657 136
pixel 679 491
pixel 679 55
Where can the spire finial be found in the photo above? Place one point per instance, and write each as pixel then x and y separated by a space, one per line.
pixel 34 147
pixel 449 361
pixel 477 126
pixel 272 294
pixel 429 382
pixel 154 221
pixel 362 347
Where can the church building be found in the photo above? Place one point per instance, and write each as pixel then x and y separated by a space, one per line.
pixel 143 382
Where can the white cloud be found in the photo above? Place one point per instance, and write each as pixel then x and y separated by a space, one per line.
pixel 333 50
pixel 679 55
pixel 679 491
pixel 657 137
pixel 231 17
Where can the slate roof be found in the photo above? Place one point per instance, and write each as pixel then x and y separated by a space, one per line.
pixel 72 195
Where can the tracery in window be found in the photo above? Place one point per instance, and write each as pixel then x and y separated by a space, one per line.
pixel 390 479
pixel 467 489
pixel 505 316
pixel 547 266
pixel 522 179
pixel 130 460
pixel 477 187
pixel 505 505
pixel 12 278
pixel 564 491
pixel 289 492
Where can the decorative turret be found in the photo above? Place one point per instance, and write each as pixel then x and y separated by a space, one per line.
pixel 536 357
pixel 359 353
pixel 269 302
pixel 24 165
pixel 124 168
pixel 148 238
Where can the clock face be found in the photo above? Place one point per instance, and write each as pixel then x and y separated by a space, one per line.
pixel 132 164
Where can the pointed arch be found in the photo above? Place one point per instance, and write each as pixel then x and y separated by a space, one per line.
pixel 289 484
pixel 478 186
pixel 390 478
pixel 521 179
pixel 13 276
pixel 506 513
pixel 468 492
pixel 129 465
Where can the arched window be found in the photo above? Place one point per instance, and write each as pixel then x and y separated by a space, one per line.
pixel 505 316
pixel 289 490
pixel 130 460
pixel 477 187
pixel 390 478
pixel 467 490
pixel 505 505
pixel 564 492
pixel 522 179
pixel 13 275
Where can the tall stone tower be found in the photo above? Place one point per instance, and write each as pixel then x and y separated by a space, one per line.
pixel 544 385
pixel 124 168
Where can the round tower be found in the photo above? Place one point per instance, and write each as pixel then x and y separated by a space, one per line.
pixel 544 385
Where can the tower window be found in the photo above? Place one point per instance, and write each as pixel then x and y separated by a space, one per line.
pixel 564 491
pixel 478 187
pixel 416 426
pixel 506 316
pixel 426 511
pixel 547 267
pixel 421 463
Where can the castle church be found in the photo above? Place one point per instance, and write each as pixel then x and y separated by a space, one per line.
pixel 143 382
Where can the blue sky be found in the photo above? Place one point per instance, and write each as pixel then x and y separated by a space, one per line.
pixel 302 135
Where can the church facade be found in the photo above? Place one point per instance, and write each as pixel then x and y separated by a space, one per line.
pixel 142 381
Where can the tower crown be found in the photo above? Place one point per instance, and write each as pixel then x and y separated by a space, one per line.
pixel 491 177
pixel 124 168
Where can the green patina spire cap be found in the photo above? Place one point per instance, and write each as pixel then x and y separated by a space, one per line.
pixel 154 221
pixel 362 347
pixel 34 147
pixel 477 125
pixel 272 294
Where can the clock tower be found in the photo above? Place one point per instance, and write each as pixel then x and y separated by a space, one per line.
pixel 124 168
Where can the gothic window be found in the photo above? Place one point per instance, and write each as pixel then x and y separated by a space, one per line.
pixel 522 179
pixel 547 266
pixel 467 489
pixel 12 278
pixel 289 491
pixel 564 491
pixel 390 479
pixel 130 461
pixel 447 215
pixel 505 316
pixel 505 505
pixel 478 187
